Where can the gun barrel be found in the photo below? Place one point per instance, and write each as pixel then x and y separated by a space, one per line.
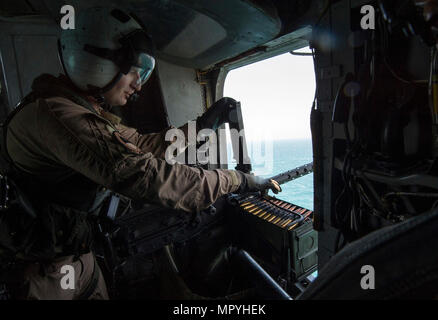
pixel 294 173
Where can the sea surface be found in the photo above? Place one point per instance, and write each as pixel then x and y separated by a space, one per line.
pixel 273 157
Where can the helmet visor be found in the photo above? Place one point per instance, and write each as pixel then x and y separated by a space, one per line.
pixel 144 66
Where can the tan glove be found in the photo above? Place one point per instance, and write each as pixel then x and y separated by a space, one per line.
pixel 252 183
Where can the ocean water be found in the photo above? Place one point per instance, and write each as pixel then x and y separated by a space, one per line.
pixel 274 157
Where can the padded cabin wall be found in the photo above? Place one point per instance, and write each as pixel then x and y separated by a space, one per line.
pixel 182 94
pixel 334 59
pixel 28 48
pixel 185 94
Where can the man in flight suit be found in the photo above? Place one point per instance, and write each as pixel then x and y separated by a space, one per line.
pixel 70 150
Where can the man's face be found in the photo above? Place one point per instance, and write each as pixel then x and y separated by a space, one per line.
pixel 123 89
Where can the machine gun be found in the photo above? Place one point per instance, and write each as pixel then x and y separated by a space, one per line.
pixel 277 232
pixel 293 174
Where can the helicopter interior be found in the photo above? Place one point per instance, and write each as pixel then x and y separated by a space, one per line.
pixel 373 124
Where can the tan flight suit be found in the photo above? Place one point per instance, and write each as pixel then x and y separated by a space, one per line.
pixel 54 138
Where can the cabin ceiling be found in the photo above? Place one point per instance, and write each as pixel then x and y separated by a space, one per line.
pixel 191 33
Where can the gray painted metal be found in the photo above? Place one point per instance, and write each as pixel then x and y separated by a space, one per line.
pixel 27 49
pixel 194 33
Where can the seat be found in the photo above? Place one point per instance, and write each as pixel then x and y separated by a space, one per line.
pixel 404 257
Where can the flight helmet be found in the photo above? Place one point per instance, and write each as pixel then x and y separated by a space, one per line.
pixel 105 44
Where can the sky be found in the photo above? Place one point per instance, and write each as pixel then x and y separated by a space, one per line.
pixel 276 96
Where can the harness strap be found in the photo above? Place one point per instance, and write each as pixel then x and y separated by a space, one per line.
pixel 92 284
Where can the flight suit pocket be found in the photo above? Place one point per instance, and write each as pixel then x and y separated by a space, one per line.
pixel 126 144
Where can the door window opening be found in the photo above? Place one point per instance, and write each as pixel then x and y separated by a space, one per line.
pixel 276 96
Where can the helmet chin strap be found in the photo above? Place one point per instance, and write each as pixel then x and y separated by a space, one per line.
pixel 133 97
pixel 100 99
pixel 97 93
